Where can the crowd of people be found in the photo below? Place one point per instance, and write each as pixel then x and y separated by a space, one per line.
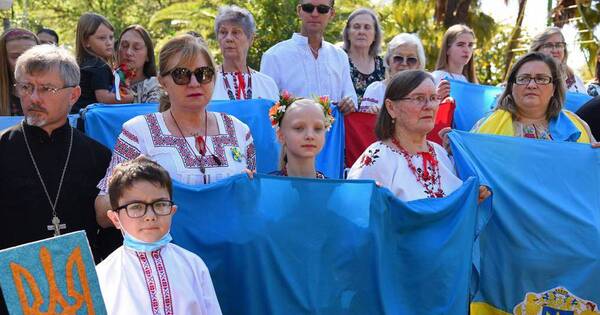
pixel 305 75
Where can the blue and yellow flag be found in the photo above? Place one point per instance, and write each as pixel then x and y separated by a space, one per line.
pixel 540 252
pixel 278 245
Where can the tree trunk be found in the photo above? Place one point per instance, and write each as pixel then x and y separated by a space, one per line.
pixel 514 38
pixel 457 12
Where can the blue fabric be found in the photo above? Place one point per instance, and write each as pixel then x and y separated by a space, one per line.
pixel 104 123
pixel 545 231
pixel 9 121
pixel 475 101
pixel 278 245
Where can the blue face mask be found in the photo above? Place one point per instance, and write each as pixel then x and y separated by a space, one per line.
pixel 140 246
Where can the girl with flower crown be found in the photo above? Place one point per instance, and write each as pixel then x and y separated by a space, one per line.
pixel 300 125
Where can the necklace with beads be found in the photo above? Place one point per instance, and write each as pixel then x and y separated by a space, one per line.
pixel 429 180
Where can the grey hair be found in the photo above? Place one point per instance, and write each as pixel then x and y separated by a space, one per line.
pixel 405 39
pixel 236 15
pixel 43 58
pixel 376 45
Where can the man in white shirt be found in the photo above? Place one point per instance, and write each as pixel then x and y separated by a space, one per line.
pixel 306 65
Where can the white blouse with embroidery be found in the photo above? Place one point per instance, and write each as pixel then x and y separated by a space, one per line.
pixel 388 166
pixel 233 148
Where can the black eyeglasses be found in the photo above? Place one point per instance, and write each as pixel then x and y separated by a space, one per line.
pixel 410 61
pixel 310 8
pixel 138 209
pixel 557 46
pixel 183 76
pixel 526 79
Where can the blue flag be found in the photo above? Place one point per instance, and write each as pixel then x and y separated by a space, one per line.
pixel 9 121
pixel 104 123
pixel 475 101
pixel 540 252
pixel 278 245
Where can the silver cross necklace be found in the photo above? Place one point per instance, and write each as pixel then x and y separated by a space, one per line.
pixel 55 226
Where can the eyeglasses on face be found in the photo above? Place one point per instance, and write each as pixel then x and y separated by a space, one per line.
pixel 310 8
pixel 138 209
pixel 422 100
pixel 410 61
pixel 26 89
pixel 538 79
pixel 183 76
pixel 558 46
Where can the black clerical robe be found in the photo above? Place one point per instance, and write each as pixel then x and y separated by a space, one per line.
pixel 25 212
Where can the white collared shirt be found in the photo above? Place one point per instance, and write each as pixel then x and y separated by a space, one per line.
pixel 294 68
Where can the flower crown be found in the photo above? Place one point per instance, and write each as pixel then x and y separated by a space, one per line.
pixel 277 111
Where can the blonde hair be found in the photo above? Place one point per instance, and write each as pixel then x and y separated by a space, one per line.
pixel 7 77
pixel 540 39
pixel 185 48
pixel 88 25
pixel 297 103
pixel 449 38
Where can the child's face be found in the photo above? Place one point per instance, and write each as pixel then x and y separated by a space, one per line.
pixel 150 227
pixel 302 130
pixel 101 42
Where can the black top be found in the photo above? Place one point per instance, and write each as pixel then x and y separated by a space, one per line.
pixel 283 172
pixel 26 212
pixel 95 75
pixel 590 112
pixel 362 80
pixel 15 105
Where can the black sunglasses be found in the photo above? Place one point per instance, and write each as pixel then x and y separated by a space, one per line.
pixel 310 8
pixel 410 61
pixel 183 76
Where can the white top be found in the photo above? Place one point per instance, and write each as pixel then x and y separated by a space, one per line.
pixel 578 87
pixel 170 280
pixel 293 67
pixel 438 75
pixel 373 96
pixel 263 86
pixel 148 135
pixel 389 167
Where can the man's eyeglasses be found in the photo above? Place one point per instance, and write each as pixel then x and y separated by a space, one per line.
pixel 422 100
pixel 410 61
pixel 138 209
pixel 310 8
pixel 550 46
pixel 183 76
pixel 26 89
pixel 541 79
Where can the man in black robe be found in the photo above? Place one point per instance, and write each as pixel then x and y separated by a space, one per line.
pixel 31 172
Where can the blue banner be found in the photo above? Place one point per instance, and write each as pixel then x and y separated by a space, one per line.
pixel 104 123
pixel 52 276
pixel 475 101
pixel 277 245
pixel 541 248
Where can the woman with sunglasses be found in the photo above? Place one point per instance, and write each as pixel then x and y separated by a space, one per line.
pixel 455 60
pixel 552 43
pixel 194 145
pixel 404 52
pixel 235 29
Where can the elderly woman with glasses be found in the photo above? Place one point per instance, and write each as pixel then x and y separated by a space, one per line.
pixel 552 43
pixel 194 145
pixel 404 52
pixel 235 29
pixel 532 105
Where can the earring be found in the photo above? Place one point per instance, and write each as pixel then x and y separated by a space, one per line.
pixel 393 121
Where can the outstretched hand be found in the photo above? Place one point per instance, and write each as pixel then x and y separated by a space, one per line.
pixel 484 192
pixel 443 134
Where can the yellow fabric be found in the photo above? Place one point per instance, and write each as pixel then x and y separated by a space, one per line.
pixel 481 308
pixel 500 123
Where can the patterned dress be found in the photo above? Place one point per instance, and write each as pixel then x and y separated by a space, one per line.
pixel 228 153
pixel 361 80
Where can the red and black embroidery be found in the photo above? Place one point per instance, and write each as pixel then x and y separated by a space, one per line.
pixel 163 279
pixel 150 284
pixel 369 158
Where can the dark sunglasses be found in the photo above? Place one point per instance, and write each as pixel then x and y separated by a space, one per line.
pixel 410 61
pixel 310 8
pixel 183 76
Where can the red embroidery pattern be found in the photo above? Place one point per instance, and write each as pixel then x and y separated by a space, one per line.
pixel 429 175
pixel 130 135
pixel 150 285
pixel 251 157
pixel 189 158
pixel 369 158
pixel 126 150
pixel 163 278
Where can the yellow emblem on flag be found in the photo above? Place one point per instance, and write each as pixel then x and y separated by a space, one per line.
pixel 556 301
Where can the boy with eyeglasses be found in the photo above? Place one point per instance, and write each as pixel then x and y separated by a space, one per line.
pixel 149 274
